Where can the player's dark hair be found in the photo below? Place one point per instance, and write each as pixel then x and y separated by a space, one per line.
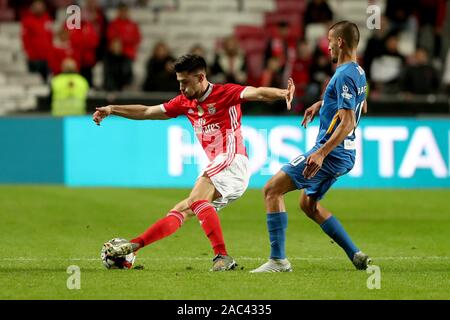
pixel 348 31
pixel 190 63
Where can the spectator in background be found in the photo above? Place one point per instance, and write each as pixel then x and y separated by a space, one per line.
pixel 446 76
pixel 160 70
pixel 22 7
pixel 272 75
pixel 85 41
pixel 386 69
pixel 398 12
pixel 301 68
pixel 69 91
pixel 37 38
pixel 199 50
pixel 117 72
pixel 278 45
pixel 430 20
pixel 420 77
pixel 320 72
pixel 317 11
pixel 98 19
pixel 375 45
pixel 123 41
pixel 229 63
pixel 62 49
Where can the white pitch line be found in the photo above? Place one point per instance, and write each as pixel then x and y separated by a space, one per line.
pixel 237 258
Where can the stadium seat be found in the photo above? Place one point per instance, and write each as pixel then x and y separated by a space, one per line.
pixel 252 45
pixel 291 5
pixel 26 103
pixel 154 31
pixel 315 31
pixel 243 32
pixel 10 29
pixel 7 106
pixel 273 18
pixel 259 5
pixel 6 57
pixel 26 79
pixel 39 90
pixel 221 6
pixel 195 6
pixel 2 79
pixel 11 91
pixel 141 15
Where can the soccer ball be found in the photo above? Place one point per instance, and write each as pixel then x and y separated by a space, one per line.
pixel 117 262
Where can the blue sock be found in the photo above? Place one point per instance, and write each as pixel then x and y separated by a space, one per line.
pixel 277 224
pixel 336 231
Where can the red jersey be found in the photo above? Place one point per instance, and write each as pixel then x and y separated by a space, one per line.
pixel 85 40
pixel 128 33
pixel 37 36
pixel 215 117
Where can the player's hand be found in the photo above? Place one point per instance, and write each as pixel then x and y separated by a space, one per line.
pixel 310 113
pixel 313 164
pixel 101 113
pixel 290 94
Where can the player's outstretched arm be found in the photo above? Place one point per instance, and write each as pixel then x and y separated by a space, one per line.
pixel 310 113
pixel 271 94
pixel 136 112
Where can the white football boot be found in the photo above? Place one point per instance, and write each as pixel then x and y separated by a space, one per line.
pixel 118 249
pixel 274 265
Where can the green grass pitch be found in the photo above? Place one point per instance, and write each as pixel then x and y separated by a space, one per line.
pixel 45 229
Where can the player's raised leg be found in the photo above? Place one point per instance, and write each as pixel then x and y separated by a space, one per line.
pixel 334 229
pixel 162 228
pixel 199 204
pixel 274 192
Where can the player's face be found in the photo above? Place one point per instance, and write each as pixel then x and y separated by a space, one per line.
pixel 190 84
pixel 333 46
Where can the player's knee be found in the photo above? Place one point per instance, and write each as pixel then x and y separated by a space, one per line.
pixel 270 192
pixel 308 208
pixel 191 200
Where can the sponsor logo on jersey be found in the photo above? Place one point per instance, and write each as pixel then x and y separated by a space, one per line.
pixel 345 93
pixel 200 127
pixel 200 122
pixel 211 128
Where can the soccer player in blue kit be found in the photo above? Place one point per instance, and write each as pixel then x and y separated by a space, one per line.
pixel 332 156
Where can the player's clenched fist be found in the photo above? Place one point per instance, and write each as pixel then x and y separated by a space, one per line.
pixel 101 113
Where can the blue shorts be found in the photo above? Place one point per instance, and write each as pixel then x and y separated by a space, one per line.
pixel 317 186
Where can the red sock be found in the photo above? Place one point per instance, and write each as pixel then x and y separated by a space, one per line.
pixel 160 229
pixel 209 220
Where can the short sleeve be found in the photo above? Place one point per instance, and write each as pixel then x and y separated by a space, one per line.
pixel 234 93
pixel 173 108
pixel 346 92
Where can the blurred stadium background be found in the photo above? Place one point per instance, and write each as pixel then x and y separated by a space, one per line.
pixel 47 136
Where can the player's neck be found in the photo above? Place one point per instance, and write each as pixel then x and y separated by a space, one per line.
pixel 205 87
pixel 346 57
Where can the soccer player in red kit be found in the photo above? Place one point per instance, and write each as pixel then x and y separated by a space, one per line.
pixel 215 113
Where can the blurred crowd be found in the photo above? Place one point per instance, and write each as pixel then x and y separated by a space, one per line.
pixel 116 42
